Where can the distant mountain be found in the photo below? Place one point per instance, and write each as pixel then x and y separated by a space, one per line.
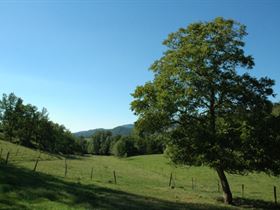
pixel 123 130
pixel 87 133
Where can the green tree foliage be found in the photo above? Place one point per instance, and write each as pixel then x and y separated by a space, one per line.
pixel 125 147
pixel 152 144
pixel 9 115
pixel 100 143
pixel 27 120
pixel 27 126
pixel 276 109
pixel 211 114
pixel 155 144
pixel 83 144
pixel 104 143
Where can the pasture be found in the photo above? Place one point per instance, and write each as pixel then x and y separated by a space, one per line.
pixel 142 182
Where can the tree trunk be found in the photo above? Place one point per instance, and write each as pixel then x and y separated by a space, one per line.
pixel 225 186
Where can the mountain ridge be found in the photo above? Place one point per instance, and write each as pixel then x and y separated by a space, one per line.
pixel 123 130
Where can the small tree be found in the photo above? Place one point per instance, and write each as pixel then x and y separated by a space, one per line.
pixel 211 114
pixel 125 147
pixel 27 123
pixel 9 114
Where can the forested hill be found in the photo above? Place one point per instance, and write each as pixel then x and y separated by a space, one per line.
pixel 123 130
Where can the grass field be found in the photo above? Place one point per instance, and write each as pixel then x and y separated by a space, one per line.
pixel 142 183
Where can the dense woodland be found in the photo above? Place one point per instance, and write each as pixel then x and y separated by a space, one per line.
pixel 24 124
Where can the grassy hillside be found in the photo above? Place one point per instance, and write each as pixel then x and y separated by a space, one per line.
pixel 142 183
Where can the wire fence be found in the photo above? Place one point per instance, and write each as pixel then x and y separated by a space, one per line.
pixel 62 167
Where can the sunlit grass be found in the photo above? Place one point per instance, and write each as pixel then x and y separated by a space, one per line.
pixel 142 181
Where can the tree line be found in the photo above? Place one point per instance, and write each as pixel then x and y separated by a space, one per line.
pixel 24 124
pixel 104 143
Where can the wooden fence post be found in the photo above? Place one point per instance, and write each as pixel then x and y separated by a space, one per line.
pixel 91 173
pixel 65 172
pixel 34 169
pixel 242 190
pixel 7 158
pixel 275 194
pixel 170 179
pixel 218 185
pixel 192 184
pixel 115 178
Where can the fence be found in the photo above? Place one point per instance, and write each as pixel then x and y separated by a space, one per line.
pixel 110 174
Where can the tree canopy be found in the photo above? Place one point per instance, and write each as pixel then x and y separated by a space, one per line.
pixel 203 98
pixel 25 125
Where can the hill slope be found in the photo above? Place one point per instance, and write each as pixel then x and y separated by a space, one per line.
pixel 141 183
pixel 123 130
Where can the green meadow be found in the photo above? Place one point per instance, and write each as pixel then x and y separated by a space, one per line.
pixel 142 182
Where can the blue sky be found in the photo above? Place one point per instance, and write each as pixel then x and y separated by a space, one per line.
pixel 82 59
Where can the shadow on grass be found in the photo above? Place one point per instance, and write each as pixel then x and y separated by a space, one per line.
pixel 22 189
pixel 252 203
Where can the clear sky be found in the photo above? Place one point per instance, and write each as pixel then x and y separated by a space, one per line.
pixel 82 59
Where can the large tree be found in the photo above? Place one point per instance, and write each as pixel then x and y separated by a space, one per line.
pixel 204 100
